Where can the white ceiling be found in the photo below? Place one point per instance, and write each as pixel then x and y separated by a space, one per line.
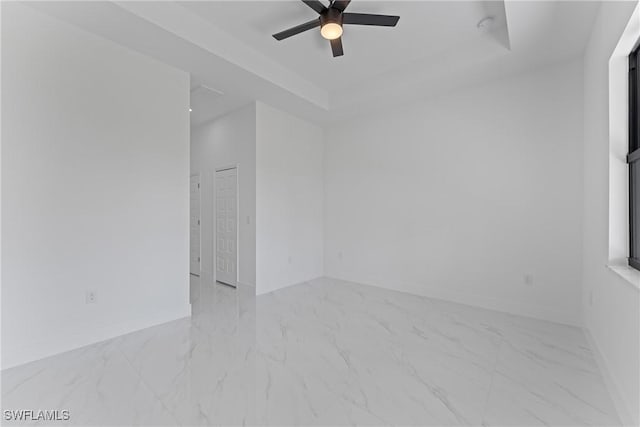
pixel 425 29
pixel 227 46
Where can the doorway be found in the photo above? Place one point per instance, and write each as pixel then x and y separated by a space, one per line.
pixel 194 223
pixel 227 225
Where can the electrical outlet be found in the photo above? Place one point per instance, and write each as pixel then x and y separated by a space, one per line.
pixel 91 297
pixel 528 279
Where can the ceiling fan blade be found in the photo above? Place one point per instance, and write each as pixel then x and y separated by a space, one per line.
pixel 315 5
pixel 336 47
pixel 341 5
pixel 369 19
pixel 297 29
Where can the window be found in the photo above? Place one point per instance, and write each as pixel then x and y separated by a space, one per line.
pixel 633 158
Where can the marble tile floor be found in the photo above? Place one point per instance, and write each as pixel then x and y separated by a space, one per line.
pixel 326 352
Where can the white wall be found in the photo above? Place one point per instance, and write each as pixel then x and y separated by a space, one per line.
pixel 228 140
pixel 611 305
pixel 95 188
pixel 458 197
pixel 289 199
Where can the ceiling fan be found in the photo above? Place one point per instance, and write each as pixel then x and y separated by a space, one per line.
pixel 331 20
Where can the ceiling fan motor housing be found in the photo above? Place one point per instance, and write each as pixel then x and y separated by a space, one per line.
pixel 331 16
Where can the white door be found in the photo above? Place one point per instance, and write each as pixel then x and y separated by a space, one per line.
pixel 195 225
pixel 226 226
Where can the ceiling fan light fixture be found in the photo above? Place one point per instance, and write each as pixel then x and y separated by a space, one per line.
pixel 331 30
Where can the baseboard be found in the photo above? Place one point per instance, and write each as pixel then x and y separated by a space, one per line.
pixel 511 307
pixel 614 390
pixel 288 285
pixel 56 345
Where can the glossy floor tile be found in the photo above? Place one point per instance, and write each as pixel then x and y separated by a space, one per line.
pixel 325 352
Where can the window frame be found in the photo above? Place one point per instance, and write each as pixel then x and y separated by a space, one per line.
pixel 633 157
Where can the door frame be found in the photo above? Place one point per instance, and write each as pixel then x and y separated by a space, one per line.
pixel 221 168
pixel 196 175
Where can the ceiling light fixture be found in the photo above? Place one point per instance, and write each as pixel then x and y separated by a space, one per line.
pixel 190 110
pixel 486 24
pixel 331 31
